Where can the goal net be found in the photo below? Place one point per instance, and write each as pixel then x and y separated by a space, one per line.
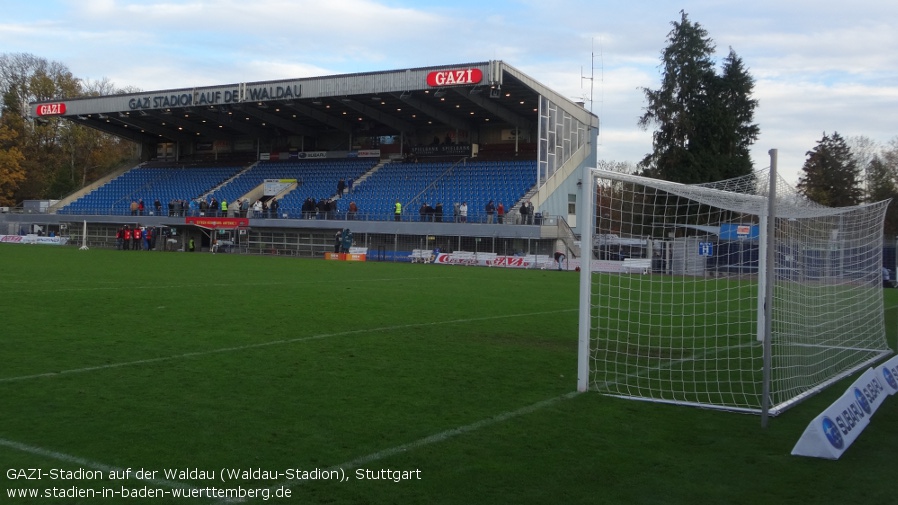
pixel 677 283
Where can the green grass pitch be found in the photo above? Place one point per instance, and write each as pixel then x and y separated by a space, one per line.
pixel 453 384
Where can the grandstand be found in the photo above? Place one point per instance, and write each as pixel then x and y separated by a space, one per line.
pixel 486 132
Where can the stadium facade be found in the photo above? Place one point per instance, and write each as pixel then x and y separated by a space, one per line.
pixel 443 134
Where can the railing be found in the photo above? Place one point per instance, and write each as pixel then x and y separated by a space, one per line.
pixel 411 216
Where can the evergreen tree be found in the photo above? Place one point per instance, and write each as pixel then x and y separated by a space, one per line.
pixel 735 126
pixel 704 120
pixel 830 175
pixel 881 186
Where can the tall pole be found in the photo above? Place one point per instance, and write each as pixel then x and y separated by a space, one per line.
pixel 587 214
pixel 768 289
pixel 84 237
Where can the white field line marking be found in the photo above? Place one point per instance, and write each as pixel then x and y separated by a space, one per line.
pixel 207 285
pixel 267 344
pixel 445 435
pixel 66 458
pixel 436 438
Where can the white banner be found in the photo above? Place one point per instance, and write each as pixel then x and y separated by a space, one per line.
pixel 33 239
pixel 492 260
pixel 888 374
pixel 272 187
pixel 831 433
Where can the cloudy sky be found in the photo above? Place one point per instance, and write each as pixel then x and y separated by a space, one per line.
pixel 819 66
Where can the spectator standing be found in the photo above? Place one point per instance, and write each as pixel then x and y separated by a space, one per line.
pixel 490 212
pixel 527 213
pixel 141 207
pixel 158 206
pixel 353 210
pixel 349 184
pixel 397 211
pixel 308 208
pixel 463 212
pixel 341 186
pixel 133 208
pixel 500 213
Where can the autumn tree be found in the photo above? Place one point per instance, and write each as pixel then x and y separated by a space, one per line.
pixel 11 172
pixel 59 155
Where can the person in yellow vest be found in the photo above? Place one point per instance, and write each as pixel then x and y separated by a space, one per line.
pixel 224 208
pixel 398 211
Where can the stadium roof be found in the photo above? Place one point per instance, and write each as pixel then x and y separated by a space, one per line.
pixel 461 97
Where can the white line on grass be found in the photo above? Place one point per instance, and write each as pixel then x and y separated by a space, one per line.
pixel 93 465
pixel 436 438
pixel 205 285
pixel 267 344
pixel 454 432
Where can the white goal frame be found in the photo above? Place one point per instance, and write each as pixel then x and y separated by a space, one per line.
pixel 772 377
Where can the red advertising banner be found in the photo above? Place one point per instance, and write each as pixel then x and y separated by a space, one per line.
pixel 219 222
pixel 454 77
pixel 51 109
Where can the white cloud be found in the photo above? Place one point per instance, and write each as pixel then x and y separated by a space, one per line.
pixel 819 66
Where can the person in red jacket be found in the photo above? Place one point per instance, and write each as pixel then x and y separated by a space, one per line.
pixel 135 239
pixel 126 235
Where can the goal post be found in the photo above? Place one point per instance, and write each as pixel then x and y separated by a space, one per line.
pixel 673 292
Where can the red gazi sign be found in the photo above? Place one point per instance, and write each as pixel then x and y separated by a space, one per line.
pixel 51 109
pixel 454 77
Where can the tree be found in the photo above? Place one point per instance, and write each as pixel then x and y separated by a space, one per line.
pixel 59 155
pixel 863 150
pixel 11 171
pixel 704 120
pixel 734 121
pixel 830 175
pixel 881 186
